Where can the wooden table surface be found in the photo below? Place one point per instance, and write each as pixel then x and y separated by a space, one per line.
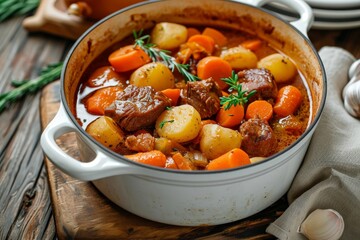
pixel 25 205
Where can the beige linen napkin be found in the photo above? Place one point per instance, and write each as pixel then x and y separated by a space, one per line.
pixel 330 174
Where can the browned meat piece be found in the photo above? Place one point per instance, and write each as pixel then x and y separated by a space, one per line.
pixel 259 79
pixel 142 142
pixel 203 96
pixel 137 107
pixel 258 138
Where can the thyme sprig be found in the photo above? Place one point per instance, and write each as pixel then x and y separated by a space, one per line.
pixel 47 75
pixel 9 8
pixel 240 97
pixel 143 41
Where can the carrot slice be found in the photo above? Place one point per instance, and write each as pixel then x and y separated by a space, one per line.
pixel 192 31
pixel 231 159
pixel 102 98
pixel 128 58
pixel 170 163
pixel 206 42
pixel 173 94
pixel 231 117
pixel 214 67
pixel 102 75
pixel 252 44
pixel 288 100
pixel 218 37
pixel 182 162
pixel 154 158
pixel 260 108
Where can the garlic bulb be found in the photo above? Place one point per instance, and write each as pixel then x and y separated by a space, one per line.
pixel 323 224
pixel 351 92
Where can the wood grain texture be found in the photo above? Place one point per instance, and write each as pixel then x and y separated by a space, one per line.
pixel 82 212
pixel 26 210
pixel 25 206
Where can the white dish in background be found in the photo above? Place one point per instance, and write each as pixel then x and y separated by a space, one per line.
pixel 337 14
pixel 333 4
pixel 322 13
pixel 335 25
pixel 326 25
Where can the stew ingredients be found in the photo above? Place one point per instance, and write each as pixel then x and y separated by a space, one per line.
pixel 193 98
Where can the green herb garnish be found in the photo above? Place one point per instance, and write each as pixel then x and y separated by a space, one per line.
pixel 162 55
pixel 47 75
pixel 240 98
pixel 9 8
pixel 161 125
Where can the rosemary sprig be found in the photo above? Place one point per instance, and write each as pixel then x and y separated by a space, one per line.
pixel 162 55
pixel 9 8
pixel 240 98
pixel 47 75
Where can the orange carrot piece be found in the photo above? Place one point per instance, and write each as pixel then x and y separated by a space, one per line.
pixel 231 117
pixel 102 75
pixel 260 108
pixel 214 67
pixel 173 94
pixel 102 98
pixel 252 44
pixel 182 162
pixel 170 163
pixel 206 42
pixel 192 31
pixel 128 58
pixel 154 158
pixel 288 100
pixel 218 37
pixel 231 159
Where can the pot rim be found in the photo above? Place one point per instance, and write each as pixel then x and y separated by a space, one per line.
pixel 178 171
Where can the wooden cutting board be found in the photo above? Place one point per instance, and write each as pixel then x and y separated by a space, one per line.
pixel 82 212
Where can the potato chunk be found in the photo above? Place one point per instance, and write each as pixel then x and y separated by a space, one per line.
pixel 280 66
pixel 107 132
pixel 180 123
pixel 239 57
pixel 168 35
pixel 156 75
pixel 216 140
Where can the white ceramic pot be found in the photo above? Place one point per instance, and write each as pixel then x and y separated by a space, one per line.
pixel 188 198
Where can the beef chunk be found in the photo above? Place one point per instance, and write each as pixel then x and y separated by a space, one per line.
pixel 258 138
pixel 137 107
pixel 259 79
pixel 203 96
pixel 142 142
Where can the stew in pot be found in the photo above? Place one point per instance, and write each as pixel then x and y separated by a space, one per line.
pixel 193 98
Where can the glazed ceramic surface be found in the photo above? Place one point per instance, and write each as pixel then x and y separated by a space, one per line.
pixel 188 198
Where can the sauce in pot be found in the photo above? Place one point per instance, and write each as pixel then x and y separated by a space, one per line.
pixel 193 98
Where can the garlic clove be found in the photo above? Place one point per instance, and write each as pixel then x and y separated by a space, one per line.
pixel 351 92
pixel 323 224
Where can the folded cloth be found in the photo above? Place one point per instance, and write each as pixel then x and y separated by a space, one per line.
pixel 329 177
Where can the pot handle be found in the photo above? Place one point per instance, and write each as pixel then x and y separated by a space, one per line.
pixel 306 14
pixel 100 167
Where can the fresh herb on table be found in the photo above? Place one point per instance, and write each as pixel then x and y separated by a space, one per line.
pixel 9 8
pixel 47 75
pixel 238 98
pixel 162 55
